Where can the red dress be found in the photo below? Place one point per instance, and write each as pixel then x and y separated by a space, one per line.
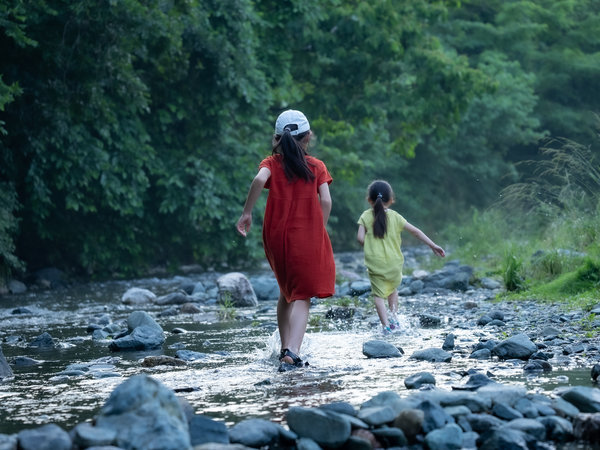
pixel 295 240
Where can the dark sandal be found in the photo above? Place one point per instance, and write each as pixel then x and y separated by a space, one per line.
pixel 285 366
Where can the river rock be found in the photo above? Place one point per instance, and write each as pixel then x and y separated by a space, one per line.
pixel 86 435
pixel 595 372
pixel 259 433
pixel 518 346
pixel 234 287
pixel 377 415
pixel 174 298
pixel 327 430
pixel 162 360
pixel 432 355
pixel 586 399
pixel 481 354
pixel 46 437
pixel 447 438
pixel 415 381
pixel 501 438
pixel 587 427
pixel 16 287
pixel 6 372
pixel 190 308
pixel 145 414
pixel 138 296
pixel 531 427
pixel 265 287
pixel 360 287
pixel 190 355
pixel 23 361
pixel 435 416
pixel 389 437
pixel 380 349
pixel 145 334
pixel 448 342
pixel 43 341
pixel 558 428
pixel 429 320
pixel 205 430
pixel 410 421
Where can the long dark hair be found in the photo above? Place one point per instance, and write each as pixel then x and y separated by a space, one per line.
pixel 295 164
pixel 379 193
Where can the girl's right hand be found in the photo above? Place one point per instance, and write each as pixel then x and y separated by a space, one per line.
pixel 438 250
pixel 244 223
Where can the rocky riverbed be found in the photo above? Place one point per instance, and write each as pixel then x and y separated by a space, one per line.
pixel 191 362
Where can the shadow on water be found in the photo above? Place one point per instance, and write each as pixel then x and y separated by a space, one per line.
pixel 238 378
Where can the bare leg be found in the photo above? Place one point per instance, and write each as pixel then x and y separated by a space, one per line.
pixel 292 319
pixel 381 312
pixel 393 302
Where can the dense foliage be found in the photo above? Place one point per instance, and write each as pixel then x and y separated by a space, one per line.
pixel 130 130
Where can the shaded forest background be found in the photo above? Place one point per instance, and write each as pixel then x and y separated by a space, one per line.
pixel 130 130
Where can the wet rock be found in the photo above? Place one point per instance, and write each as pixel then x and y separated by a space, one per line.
pixel 505 412
pixel 50 277
pixel 587 427
pixel 490 283
pixel 537 366
pixel 340 408
pixel 46 437
pixel 432 355
pixel 8 442
pixel 505 439
pixel 21 311
pixel 145 334
pixel 85 435
pixel 43 341
pixel 360 287
pixel 204 430
pixel 6 372
pixel 162 360
pixel 495 323
pixel 145 414
pixel 16 287
pixel 435 416
pixel 389 437
pixel 584 398
pixel 410 421
pixel 189 355
pixel 481 354
pixel 259 433
pixel 340 313
pixel 518 346
pixel 474 382
pixel 417 380
pixel 190 308
pixel 265 287
pixel 174 298
pixel 377 415
pixel 380 349
pixel 482 423
pixel 531 427
pixel 234 287
pixel 447 438
pixel 484 320
pixel 448 342
pixel 558 429
pixel 138 296
pixel 429 321
pixel 595 372
pixel 327 430
pixel 470 304
pixel 416 286
pixel 362 440
pixel 22 361
pixel 172 311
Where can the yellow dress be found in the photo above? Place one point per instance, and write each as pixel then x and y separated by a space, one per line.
pixel 383 256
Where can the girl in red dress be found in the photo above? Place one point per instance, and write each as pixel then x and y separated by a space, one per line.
pixel 295 240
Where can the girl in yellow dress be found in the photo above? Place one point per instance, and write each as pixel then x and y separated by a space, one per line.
pixel 379 230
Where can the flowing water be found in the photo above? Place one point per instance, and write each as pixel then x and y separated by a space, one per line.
pixel 238 379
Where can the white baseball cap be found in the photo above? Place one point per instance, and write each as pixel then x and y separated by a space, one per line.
pixel 292 117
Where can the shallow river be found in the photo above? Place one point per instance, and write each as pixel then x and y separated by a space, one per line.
pixel 239 378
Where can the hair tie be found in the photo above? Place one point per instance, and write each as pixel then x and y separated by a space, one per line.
pixel 379 195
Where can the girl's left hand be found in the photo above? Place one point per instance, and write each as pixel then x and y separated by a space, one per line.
pixel 438 250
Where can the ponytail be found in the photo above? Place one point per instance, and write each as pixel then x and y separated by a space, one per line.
pixel 379 193
pixel 295 164
pixel 380 222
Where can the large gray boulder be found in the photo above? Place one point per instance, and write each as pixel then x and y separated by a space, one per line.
pixel 145 334
pixel 327 430
pixel 145 414
pixel 235 287
pixel 432 355
pixel 518 346
pixel 586 399
pixel 138 296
